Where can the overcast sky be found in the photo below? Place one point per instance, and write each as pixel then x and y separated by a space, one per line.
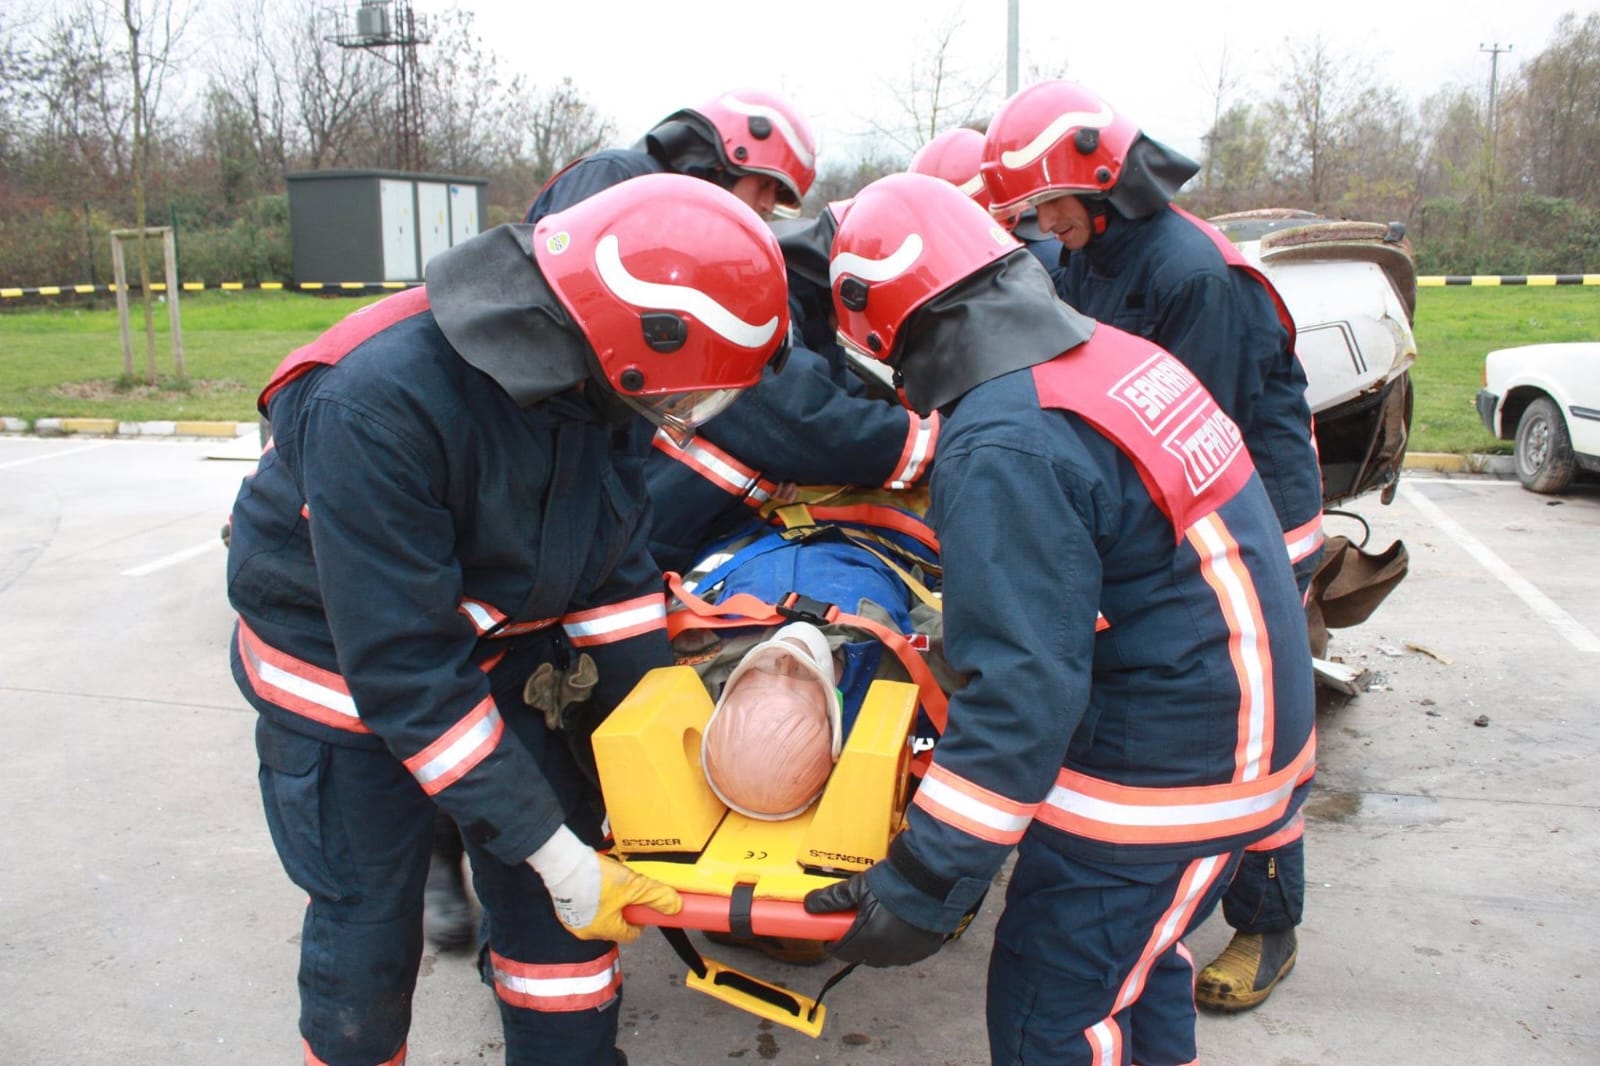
pixel 840 60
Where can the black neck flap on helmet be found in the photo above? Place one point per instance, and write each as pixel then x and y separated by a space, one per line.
pixel 805 244
pixel 501 316
pixel 1005 317
pixel 685 143
pixel 1151 176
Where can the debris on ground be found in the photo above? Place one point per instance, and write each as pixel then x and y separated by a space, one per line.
pixel 1430 653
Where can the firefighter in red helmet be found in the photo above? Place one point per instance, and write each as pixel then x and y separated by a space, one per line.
pixel 450 507
pixel 1139 702
pixel 1138 262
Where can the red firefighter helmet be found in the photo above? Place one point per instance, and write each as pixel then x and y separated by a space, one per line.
pixel 1051 139
pixel 954 155
pixel 762 133
pixel 903 240
pixel 678 287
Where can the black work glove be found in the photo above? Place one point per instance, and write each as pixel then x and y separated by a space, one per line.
pixel 878 936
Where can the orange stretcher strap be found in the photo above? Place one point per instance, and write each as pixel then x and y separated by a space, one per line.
pixel 743 609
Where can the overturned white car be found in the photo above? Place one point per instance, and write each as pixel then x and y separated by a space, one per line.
pixel 1351 288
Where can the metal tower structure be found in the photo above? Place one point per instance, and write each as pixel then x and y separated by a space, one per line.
pixel 388 29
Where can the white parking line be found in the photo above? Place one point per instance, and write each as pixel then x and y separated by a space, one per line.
pixel 174 559
pixel 54 455
pixel 1562 622
pixel 1473 481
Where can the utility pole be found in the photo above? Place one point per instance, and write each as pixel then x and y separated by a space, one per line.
pixel 379 29
pixel 1012 46
pixel 1494 51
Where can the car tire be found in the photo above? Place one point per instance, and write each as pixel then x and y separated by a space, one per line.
pixel 1544 448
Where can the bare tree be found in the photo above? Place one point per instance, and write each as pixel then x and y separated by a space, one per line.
pixel 248 83
pixel 558 126
pixel 336 94
pixel 1224 84
pixel 840 181
pixel 1555 114
pixel 1321 97
pixel 154 28
pixel 938 92
pixel 80 83
pixel 473 109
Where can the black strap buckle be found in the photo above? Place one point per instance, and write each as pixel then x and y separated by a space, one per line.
pixel 798 607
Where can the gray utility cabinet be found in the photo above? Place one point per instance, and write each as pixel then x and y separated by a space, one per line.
pixel 378 225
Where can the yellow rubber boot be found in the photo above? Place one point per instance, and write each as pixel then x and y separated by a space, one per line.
pixel 1246 972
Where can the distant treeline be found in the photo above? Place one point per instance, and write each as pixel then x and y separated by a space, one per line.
pixel 1512 191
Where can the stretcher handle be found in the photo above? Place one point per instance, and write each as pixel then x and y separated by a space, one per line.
pixel 768 917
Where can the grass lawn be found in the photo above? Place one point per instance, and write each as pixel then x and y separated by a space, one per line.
pixel 1457 326
pixel 66 360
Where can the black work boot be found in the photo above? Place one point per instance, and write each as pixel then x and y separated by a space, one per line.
pixel 446 914
pixel 1246 972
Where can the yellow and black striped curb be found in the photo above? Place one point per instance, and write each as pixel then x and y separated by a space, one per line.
pixel 200 286
pixel 111 427
pixel 1425 281
pixel 1492 280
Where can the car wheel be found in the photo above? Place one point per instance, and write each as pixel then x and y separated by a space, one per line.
pixel 1544 448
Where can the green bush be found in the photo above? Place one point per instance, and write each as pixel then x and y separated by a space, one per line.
pixel 42 243
pixel 252 249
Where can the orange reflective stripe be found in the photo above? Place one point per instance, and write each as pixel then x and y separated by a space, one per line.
pixel 718 467
pixel 312 1059
pixel 1248 643
pixel 485 617
pixel 920 441
pixel 1287 835
pixel 742 609
pixel 1129 814
pixel 465 745
pixel 617 621
pixel 1197 881
pixel 973 809
pixel 1303 540
pixel 557 986
pixel 296 685
pixel 873 514
pixel 1105 1042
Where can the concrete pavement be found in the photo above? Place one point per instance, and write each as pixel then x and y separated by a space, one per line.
pixel 1452 908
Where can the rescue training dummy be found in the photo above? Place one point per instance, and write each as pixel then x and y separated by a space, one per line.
pixel 776 731
pixel 1138 705
pixel 451 506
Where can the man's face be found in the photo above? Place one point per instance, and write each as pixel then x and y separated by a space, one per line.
pixel 1067 219
pixel 759 191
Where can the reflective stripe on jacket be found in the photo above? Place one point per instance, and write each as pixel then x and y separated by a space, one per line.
pixel 415 544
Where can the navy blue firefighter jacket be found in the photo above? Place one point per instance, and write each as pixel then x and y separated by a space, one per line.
pixel 1116 592
pixel 416 541
pixel 1163 278
pixel 810 424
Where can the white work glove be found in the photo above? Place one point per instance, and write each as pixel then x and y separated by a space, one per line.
pixel 590 889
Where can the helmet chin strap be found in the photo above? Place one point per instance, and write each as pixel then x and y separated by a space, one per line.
pixel 1099 215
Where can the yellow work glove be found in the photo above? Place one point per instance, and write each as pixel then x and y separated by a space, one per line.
pixel 589 889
